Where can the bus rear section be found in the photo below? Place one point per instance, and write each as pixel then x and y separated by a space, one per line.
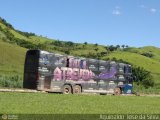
pixel 31 69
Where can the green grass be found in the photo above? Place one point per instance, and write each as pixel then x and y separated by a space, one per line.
pixel 41 103
pixel 12 58
pixel 147 49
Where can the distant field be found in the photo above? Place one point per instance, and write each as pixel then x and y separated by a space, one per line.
pixel 41 103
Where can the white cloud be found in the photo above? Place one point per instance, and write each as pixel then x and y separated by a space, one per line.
pixel 153 10
pixel 116 12
pixel 117 7
pixel 143 6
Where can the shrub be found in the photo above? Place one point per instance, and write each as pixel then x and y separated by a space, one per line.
pixel 150 55
pixel 27 34
pixel 143 77
pixel 13 81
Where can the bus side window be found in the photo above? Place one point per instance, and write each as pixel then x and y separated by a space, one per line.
pixel 130 69
pixel 81 64
pixel 67 65
pixel 125 70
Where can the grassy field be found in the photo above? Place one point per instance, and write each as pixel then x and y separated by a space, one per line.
pixel 41 103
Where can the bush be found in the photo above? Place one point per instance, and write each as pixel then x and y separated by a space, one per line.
pixel 67 52
pixel 13 81
pixel 150 55
pixel 143 77
pixel 6 23
pixel 27 34
pixel 148 83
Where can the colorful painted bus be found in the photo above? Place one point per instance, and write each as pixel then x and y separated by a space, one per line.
pixel 54 72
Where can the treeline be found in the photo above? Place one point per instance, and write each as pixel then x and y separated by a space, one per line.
pixel 8 25
pixel 9 37
pixel 27 34
pixel 116 47
pixel 64 46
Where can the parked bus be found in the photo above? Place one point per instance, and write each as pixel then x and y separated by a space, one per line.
pixel 54 72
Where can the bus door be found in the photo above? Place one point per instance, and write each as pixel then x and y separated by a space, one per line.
pixel 45 69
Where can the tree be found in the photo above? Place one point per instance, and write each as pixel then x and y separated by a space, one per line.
pixel 96 44
pixel 27 34
pixel 85 43
pixel 111 48
pixel 69 43
pixel 106 47
pixel 123 46
pixel 103 53
pixel 117 46
pixel 57 43
pixel 6 23
pixel 96 49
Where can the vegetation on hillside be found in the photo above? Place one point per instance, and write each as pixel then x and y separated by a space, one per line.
pixel 143 77
pixel 146 60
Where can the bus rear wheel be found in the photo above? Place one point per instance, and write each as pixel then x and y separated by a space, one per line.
pixel 67 89
pixel 77 89
pixel 117 91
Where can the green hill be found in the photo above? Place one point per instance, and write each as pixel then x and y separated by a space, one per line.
pixel 152 51
pixel 12 58
pixel 14 44
pixel 135 59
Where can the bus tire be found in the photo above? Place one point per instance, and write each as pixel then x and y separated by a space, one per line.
pixel 77 89
pixel 67 89
pixel 117 91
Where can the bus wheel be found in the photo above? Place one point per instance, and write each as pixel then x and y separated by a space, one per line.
pixel 117 91
pixel 77 89
pixel 67 89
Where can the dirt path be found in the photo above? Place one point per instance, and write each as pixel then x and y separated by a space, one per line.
pixel 35 91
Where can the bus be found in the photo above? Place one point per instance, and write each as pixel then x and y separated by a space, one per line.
pixel 53 72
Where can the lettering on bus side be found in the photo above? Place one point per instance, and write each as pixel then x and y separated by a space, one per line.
pixel 66 73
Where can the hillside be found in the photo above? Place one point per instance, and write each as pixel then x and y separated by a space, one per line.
pixel 14 44
pixel 152 51
pixel 138 60
pixel 12 58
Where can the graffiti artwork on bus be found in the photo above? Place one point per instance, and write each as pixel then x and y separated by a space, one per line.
pixel 66 73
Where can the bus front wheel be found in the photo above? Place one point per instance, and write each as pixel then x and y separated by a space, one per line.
pixel 117 91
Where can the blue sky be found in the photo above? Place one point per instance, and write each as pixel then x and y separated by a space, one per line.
pixel 106 22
